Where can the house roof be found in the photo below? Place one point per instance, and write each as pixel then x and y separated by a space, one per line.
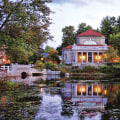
pixel 90 33
pixel 68 47
pixel 44 54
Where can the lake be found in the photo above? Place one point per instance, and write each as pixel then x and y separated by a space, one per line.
pixel 55 98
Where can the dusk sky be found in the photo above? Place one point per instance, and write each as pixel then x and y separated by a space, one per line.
pixel 74 12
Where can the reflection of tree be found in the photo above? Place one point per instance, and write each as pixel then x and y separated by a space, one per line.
pixel 67 108
pixel 113 104
pixel 23 103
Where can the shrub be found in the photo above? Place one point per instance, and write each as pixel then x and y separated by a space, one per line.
pixel 49 65
pixel 89 68
pixel 105 69
pixel 39 64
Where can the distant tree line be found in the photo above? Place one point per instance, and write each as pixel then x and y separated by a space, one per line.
pixel 109 27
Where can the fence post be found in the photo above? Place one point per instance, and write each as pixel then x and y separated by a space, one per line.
pixel 8 68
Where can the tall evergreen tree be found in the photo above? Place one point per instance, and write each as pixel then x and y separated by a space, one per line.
pixel 82 28
pixel 106 28
pixel 68 38
pixel 118 23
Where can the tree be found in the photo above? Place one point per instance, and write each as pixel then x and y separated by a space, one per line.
pixel 115 41
pixel 82 28
pixel 110 54
pixel 106 28
pixel 53 56
pixel 68 38
pixel 118 23
pixel 48 49
pixel 59 49
pixel 24 23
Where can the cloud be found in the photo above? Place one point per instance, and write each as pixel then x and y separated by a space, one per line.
pixel 81 2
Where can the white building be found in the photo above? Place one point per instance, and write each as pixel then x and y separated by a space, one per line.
pixel 88 50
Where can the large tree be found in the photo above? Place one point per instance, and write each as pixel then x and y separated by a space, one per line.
pixel 107 27
pixel 115 41
pixel 24 26
pixel 82 27
pixel 68 38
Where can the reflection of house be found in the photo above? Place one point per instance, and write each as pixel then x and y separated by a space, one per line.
pixel 88 96
pixel 89 49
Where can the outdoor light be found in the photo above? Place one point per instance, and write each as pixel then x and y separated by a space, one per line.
pixel 105 92
pixel 3 60
pixel 8 61
pixel 42 59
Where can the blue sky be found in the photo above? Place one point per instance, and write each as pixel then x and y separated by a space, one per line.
pixel 74 12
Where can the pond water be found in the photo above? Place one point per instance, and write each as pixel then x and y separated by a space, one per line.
pixel 55 98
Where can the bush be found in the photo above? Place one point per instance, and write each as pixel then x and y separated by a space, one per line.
pixel 89 68
pixel 105 69
pixel 39 64
pixel 49 65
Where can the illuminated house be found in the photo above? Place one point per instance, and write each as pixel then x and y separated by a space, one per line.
pixel 88 50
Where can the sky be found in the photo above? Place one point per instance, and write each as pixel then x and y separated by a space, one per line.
pixel 74 12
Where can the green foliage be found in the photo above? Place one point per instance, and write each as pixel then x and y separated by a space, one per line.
pixel 89 68
pixel 82 28
pixel 105 69
pixel 110 54
pixel 49 65
pixel 68 38
pixel 110 25
pixel 24 27
pixel 77 70
pixel 48 49
pixel 40 64
pixel 115 41
pixel 106 27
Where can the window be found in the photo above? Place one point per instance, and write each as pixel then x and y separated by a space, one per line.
pixel 90 42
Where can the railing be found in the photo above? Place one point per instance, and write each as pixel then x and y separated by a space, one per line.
pixel 8 68
pixel 53 72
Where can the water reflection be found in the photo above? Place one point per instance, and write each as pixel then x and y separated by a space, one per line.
pixel 49 98
pixel 89 98
pixel 30 79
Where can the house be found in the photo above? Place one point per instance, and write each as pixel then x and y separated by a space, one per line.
pixel 88 50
